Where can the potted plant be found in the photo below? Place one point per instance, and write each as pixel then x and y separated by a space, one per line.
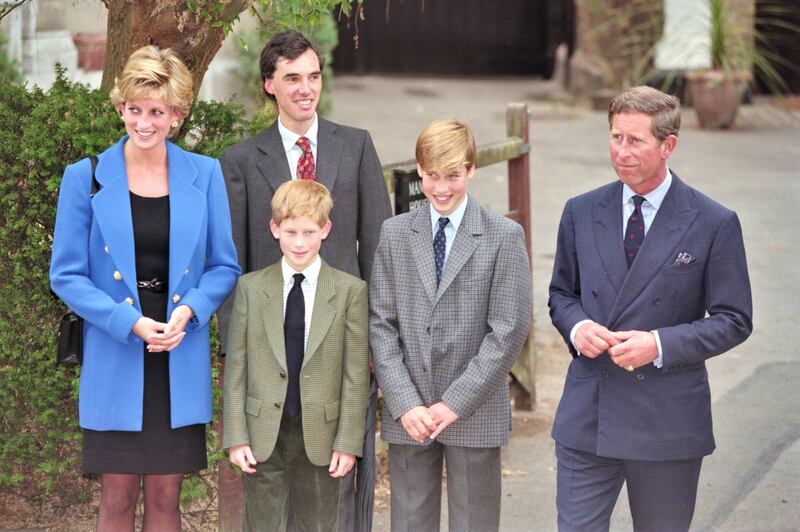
pixel 737 47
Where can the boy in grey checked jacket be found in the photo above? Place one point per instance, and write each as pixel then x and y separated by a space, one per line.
pixel 450 309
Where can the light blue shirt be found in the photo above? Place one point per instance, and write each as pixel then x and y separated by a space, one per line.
pixel 293 151
pixel 450 229
pixel 650 206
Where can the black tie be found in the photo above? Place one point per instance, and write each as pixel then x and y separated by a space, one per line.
pixel 294 336
pixel 439 247
pixel 634 231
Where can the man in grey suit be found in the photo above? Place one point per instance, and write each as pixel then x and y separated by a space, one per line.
pixel 650 280
pixel 450 309
pixel 301 145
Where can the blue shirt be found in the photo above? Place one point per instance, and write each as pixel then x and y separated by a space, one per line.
pixel 450 229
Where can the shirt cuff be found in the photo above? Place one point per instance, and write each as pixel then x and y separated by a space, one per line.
pixel 575 330
pixel 659 362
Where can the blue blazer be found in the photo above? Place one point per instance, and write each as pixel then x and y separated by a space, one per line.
pixel 651 413
pixel 93 270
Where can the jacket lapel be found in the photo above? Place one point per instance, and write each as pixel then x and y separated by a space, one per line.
pixel 607 223
pixel 111 206
pixel 422 249
pixel 329 150
pixel 274 166
pixel 464 245
pixel 187 211
pixel 672 220
pixel 272 312
pixel 323 314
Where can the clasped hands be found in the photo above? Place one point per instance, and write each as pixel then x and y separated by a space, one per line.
pixel 341 462
pixel 627 349
pixel 421 422
pixel 164 336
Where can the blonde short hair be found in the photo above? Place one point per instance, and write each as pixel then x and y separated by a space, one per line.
pixel 446 143
pixel 302 197
pixel 152 73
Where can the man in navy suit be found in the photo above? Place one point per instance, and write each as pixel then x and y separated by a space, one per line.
pixel 650 280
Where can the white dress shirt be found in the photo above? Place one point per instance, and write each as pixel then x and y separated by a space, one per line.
pixel 650 205
pixel 293 151
pixel 451 228
pixel 309 286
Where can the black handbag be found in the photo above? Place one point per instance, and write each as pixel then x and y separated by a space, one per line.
pixel 69 345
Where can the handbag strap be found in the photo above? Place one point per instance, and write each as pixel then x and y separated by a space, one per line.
pixel 95 185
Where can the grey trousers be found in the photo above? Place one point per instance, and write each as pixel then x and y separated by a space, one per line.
pixel 287 475
pixel 661 494
pixel 473 487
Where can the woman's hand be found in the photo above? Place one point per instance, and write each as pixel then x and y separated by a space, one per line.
pixel 173 331
pixel 149 330
pixel 162 337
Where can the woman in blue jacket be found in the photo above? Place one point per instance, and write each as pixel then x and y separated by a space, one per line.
pixel 145 262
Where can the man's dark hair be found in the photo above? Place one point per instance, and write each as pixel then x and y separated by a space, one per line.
pixel 289 44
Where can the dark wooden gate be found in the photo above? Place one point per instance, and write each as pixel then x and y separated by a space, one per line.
pixel 455 37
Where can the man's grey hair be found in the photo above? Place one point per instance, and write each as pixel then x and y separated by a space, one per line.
pixel 665 109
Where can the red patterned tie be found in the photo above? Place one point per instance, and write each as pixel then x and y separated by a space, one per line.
pixel 305 166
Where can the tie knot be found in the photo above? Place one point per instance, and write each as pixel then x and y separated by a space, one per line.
pixel 443 222
pixel 298 278
pixel 637 201
pixel 304 144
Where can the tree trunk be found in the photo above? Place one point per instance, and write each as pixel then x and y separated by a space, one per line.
pixel 195 36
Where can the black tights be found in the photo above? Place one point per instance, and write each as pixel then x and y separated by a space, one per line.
pixel 118 496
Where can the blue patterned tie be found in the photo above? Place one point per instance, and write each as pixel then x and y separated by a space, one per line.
pixel 634 231
pixel 439 246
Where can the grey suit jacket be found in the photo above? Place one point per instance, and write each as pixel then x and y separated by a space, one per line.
pixel 347 165
pixel 651 413
pixel 334 378
pixel 455 343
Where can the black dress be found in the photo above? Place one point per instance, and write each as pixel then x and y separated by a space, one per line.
pixel 157 449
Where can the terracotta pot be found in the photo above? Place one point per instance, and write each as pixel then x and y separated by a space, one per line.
pixel 716 95
pixel 91 50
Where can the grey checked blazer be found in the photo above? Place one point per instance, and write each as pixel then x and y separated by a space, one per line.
pixel 456 343
pixel 334 378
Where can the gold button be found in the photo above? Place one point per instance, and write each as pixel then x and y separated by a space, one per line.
pixel 129 300
pixel 105 248
pixel 176 298
pixel 117 276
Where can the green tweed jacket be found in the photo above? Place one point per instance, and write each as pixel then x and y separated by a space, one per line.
pixel 334 378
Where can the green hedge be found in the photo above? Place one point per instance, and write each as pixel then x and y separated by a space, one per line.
pixel 40 133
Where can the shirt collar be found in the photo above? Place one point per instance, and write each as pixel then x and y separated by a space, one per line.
pixel 654 197
pixel 311 272
pixel 289 137
pixel 455 217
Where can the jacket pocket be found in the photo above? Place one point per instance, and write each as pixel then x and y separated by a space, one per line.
pixel 332 411
pixel 252 406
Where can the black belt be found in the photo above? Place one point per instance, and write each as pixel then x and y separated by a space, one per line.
pixel 157 286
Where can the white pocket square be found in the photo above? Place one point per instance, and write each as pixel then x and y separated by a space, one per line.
pixel 683 258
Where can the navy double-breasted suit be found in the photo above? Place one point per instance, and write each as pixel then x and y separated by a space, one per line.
pixel 700 305
pixel 93 270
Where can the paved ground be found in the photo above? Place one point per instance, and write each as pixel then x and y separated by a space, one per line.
pixel 751 482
